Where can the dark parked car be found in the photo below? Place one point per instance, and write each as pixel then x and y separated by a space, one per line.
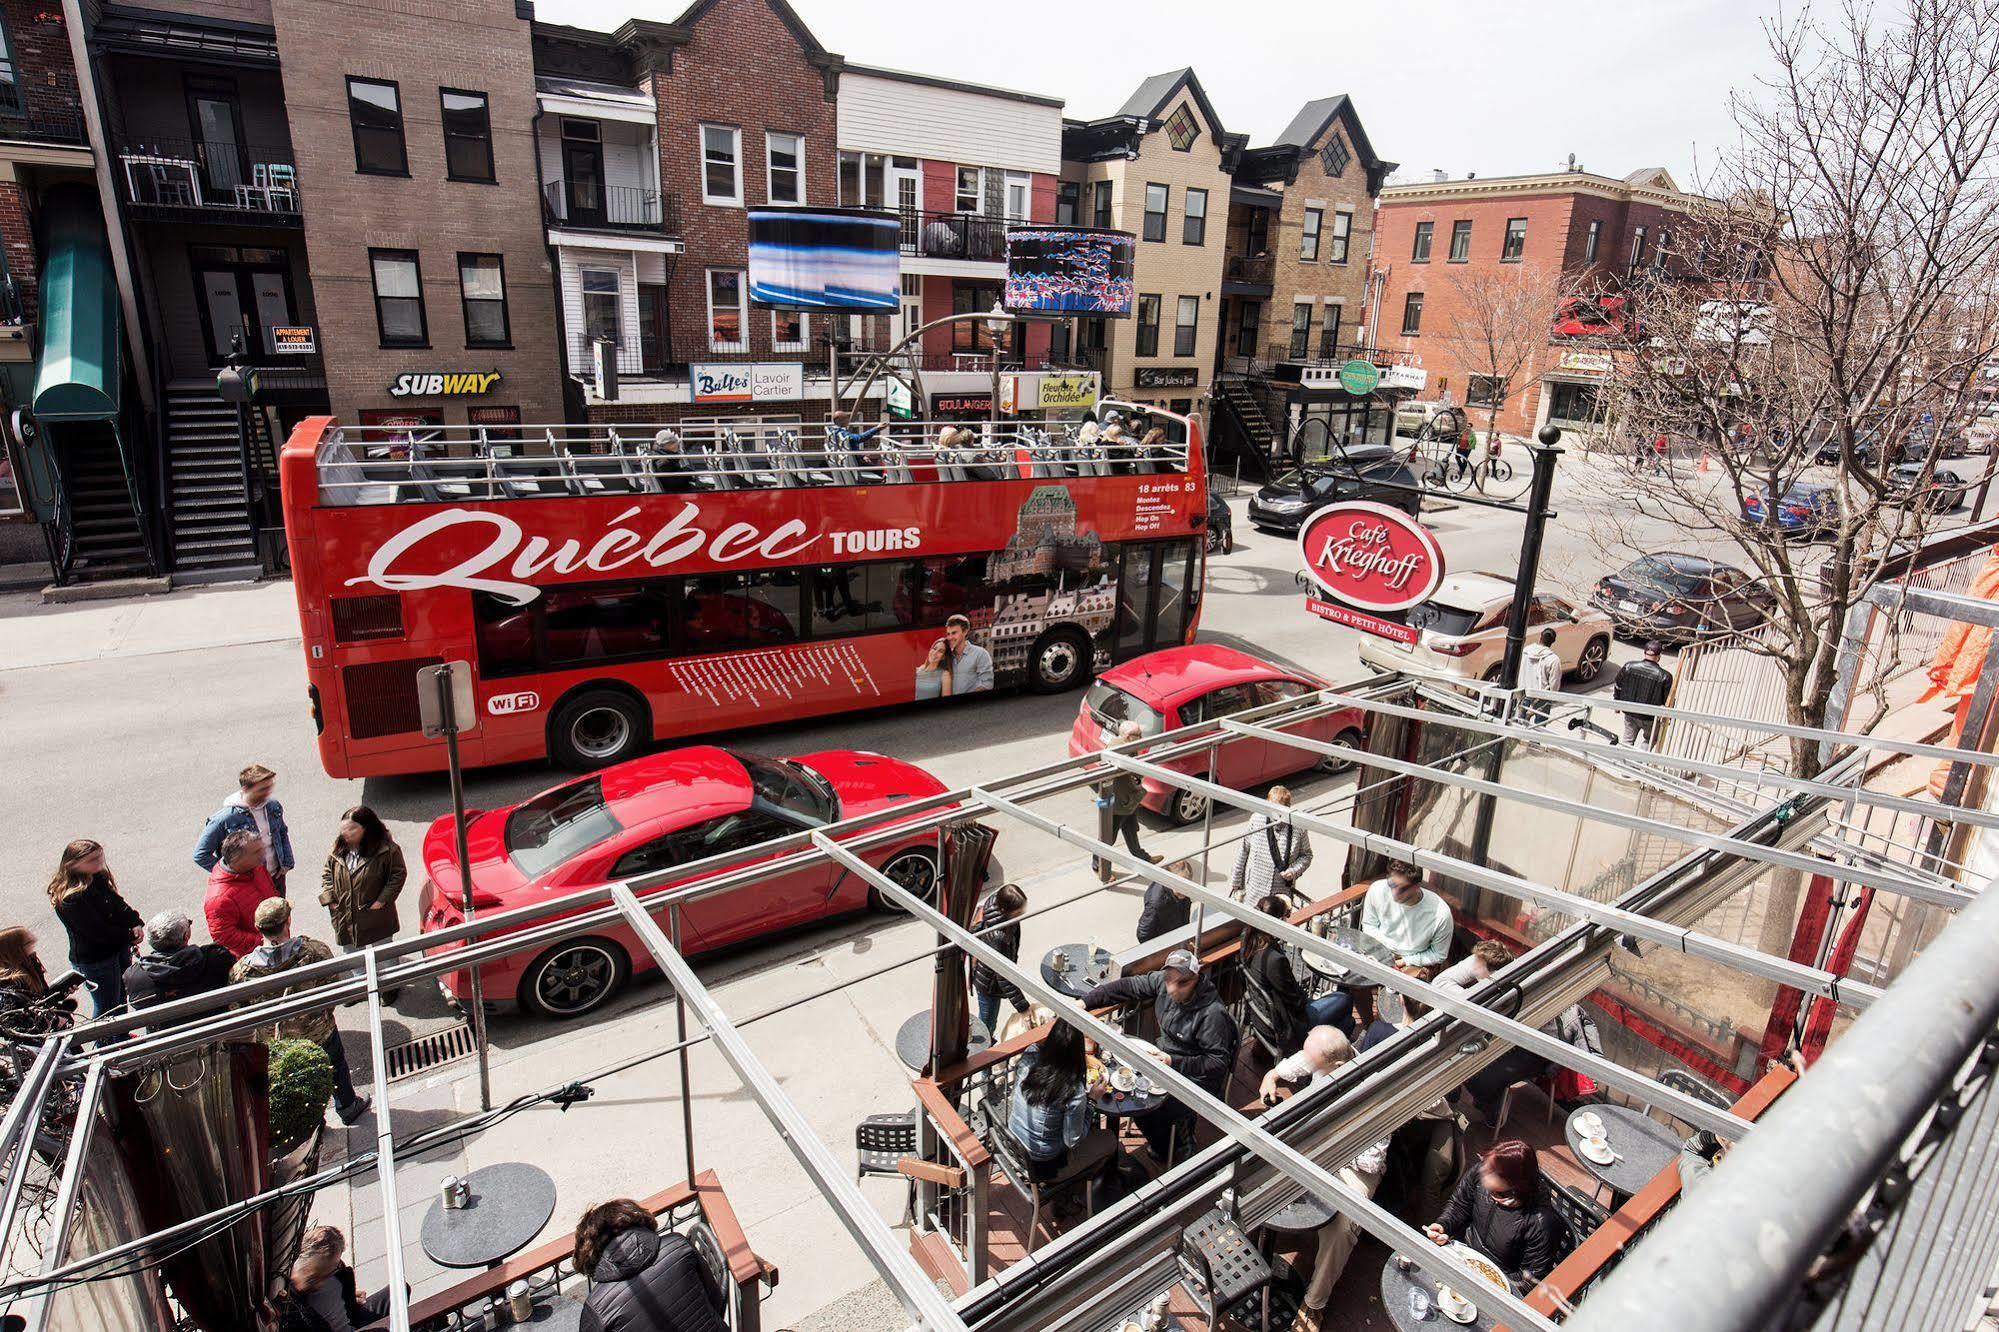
pixel 1940 492
pixel 1221 525
pixel 1678 598
pixel 1807 509
pixel 1367 472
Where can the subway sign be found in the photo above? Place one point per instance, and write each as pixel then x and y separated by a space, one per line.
pixel 442 385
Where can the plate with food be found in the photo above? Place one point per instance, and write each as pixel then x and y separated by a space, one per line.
pixel 1478 1265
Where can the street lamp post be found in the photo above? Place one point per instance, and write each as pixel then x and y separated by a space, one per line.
pixel 997 323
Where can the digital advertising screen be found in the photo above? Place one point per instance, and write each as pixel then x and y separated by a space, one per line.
pixel 1069 271
pixel 825 259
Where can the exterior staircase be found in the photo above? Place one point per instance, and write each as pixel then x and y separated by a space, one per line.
pixel 1247 431
pixel 209 512
pixel 104 535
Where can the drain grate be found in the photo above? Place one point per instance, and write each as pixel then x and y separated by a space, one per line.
pixel 427 1052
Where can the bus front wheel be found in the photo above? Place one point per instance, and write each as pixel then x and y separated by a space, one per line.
pixel 595 728
pixel 1060 660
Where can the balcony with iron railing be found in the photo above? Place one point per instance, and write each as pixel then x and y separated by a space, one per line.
pixel 190 180
pixel 954 236
pixel 611 208
pixel 35 124
pixel 1249 270
pixel 1311 348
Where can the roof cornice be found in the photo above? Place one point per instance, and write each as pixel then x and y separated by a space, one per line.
pixel 1552 182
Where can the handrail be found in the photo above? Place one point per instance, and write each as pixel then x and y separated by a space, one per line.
pixel 964 1143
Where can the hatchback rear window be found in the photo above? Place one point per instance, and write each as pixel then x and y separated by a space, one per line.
pixel 558 824
pixel 1444 620
pixel 1112 707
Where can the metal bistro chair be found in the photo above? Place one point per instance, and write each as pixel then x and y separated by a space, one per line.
pixel 1682 1081
pixel 1020 1173
pixel 880 1143
pixel 1580 1214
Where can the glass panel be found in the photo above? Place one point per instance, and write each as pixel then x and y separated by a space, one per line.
pixel 723 612
pixel 274 307
pixel 215 122
pixel 725 315
pixel 1170 619
pixel 865 598
pixel 225 310
pixel 1134 601
pixel 468 143
pixel 396 278
pixel 718 153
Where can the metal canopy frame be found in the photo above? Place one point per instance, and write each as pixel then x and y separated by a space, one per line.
pixel 1418 1064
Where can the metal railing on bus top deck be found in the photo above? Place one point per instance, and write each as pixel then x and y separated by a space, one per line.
pixel 446 464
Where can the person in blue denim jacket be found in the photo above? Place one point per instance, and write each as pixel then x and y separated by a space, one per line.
pixel 250 807
pixel 1048 1113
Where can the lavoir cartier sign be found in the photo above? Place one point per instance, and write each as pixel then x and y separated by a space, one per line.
pixel 1371 559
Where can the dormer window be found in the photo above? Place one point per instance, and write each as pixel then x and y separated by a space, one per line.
pixel 1334 156
pixel 1181 131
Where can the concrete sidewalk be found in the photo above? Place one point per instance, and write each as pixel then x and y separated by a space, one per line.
pixel 225 615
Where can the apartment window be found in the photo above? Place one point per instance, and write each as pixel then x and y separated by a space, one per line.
pixel 1194 231
pixel 784 168
pixel 1301 328
pixel 1336 251
pixel 1186 325
pixel 972 298
pixel 1101 214
pixel 1308 243
pixel 788 330
pixel 468 135
pixel 1591 239
pixel 1148 326
pixel 1334 156
pixel 1460 242
pixel 1329 332
pixel 971 189
pixel 1156 197
pixel 1181 131
pixel 399 298
pixel 601 305
pixel 1659 250
pixel 721 164
pixel 725 309
pixel 1412 314
pixel 1515 242
pixel 10 100
pixel 1068 203
pixel 375 113
pixel 1637 246
pixel 482 290
pixel 1419 251
pixel 1485 391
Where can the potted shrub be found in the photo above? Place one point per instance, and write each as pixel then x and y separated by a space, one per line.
pixel 301 1080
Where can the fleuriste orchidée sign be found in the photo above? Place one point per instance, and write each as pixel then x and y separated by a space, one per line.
pixel 1371 558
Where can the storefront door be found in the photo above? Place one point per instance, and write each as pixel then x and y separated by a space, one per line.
pixel 241 293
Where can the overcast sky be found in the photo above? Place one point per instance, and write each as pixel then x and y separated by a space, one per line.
pixel 1457 85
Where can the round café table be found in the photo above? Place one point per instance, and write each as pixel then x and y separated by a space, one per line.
pixel 1347 937
pixel 1113 1104
pixel 510 1203
pixel 1075 981
pixel 912 1039
pixel 1396 1285
pixel 1303 1215
pixel 1644 1145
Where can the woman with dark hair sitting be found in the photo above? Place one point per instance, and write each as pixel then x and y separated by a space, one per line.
pixel 1500 1207
pixel 643 1280
pixel 1048 1113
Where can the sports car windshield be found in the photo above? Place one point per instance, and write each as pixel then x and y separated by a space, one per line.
pixel 792 787
pixel 558 824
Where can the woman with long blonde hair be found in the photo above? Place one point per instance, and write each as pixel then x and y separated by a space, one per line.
pixel 103 928
pixel 22 977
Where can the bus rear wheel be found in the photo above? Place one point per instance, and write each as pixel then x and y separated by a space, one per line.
pixel 1060 660
pixel 596 728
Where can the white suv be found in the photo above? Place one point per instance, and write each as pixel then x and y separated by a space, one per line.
pixel 1463 632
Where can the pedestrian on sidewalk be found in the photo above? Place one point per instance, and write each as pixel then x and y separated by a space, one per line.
pixel 319 1294
pixel 175 965
pixel 23 980
pixel 1272 856
pixel 1166 908
pixel 1119 799
pixel 1645 682
pixel 278 950
pixel 236 885
pixel 363 876
pixel 250 807
pixel 103 927
pixel 1541 668
pixel 998 923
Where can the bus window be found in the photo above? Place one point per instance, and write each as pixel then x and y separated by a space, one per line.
pixel 954 585
pixel 583 625
pixel 863 598
pixel 722 612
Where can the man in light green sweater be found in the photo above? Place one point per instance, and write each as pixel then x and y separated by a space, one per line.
pixel 1410 920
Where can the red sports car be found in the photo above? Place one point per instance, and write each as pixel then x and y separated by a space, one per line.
pixel 645 817
pixel 1165 690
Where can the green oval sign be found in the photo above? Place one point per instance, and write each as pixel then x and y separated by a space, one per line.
pixel 1359 377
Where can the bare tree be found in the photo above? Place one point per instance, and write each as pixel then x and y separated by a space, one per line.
pixel 1823 322
pixel 1500 321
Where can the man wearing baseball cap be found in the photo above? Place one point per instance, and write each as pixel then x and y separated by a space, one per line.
pixel 281 950
pixel 1196 1034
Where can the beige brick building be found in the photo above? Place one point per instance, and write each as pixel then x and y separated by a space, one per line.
pixel 1160 169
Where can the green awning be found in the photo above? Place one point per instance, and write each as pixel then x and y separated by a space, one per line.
pixel 78 376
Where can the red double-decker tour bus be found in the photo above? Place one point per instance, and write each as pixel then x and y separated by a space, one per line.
pixel 614 586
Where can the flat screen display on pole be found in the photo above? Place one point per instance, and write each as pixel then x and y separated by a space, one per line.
pixel 825 259
pixel 1069 271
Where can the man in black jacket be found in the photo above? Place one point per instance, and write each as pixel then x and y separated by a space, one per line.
pixel 174 966
pixel 643 1280
pixel 998 923
pixel 1645 682
pixel 1196 1034
pixel 1165 910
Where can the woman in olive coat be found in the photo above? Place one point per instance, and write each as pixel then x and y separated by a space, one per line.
pixel 364 874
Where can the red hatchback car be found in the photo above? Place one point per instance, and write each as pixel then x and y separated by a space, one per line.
pixel 1163 691
pixel 645 817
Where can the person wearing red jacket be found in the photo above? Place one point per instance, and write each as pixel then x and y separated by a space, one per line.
pixel 237 883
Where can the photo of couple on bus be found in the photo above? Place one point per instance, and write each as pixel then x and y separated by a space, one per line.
pixel 954 664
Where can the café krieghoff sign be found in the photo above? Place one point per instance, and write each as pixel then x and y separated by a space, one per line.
pixel 442 384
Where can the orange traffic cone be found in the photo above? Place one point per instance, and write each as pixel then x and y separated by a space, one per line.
pixel 1703 466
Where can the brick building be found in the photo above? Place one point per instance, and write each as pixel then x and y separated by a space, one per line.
pixel 1295 287
pixel 1159 168
pixel 1559 234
